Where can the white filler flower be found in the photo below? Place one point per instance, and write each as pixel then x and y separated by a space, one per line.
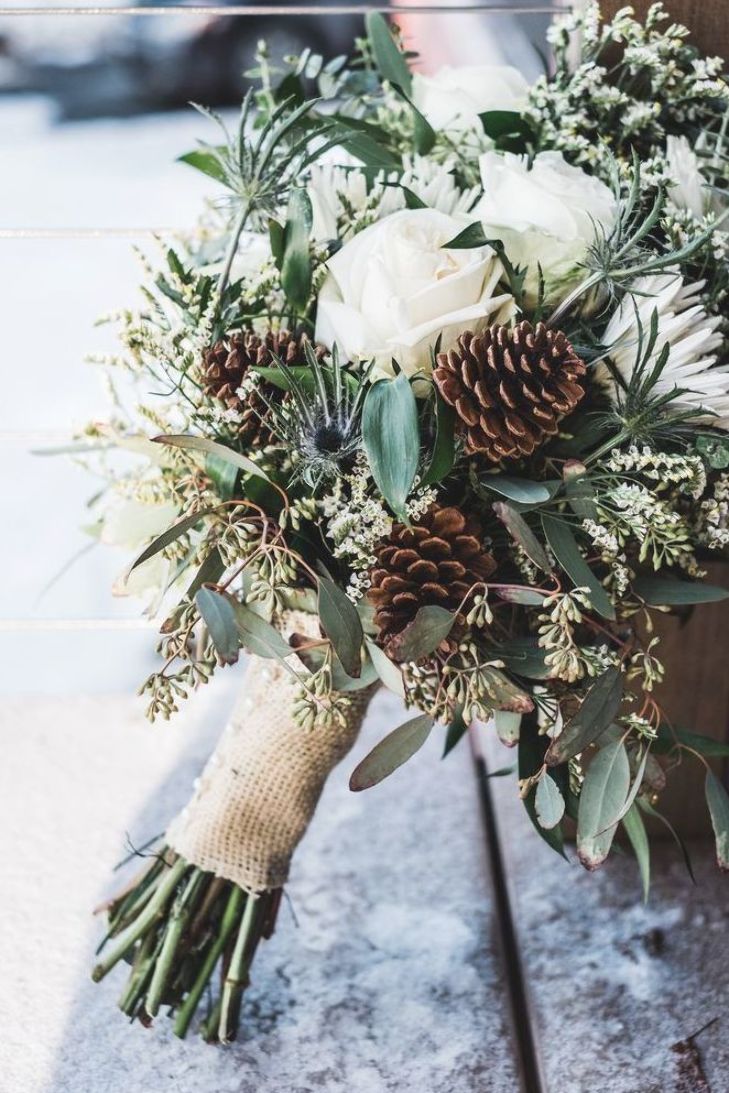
pixel 545 213
pixel 453 98
pixel 393 290
pixel 690 333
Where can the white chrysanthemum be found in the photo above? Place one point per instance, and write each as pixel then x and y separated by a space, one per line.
pixel 690 333
pixel 343 202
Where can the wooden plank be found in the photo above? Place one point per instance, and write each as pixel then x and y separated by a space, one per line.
pixel 614 985
pixel 708 20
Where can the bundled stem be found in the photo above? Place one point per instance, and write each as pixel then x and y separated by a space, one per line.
pixel 175 925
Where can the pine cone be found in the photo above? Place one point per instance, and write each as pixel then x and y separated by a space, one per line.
pixel 510 387
pixel 435 561
pixel 226 364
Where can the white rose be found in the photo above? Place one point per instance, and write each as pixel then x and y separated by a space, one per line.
pixel 687 186
pixel 545 214
pixel 393 290
pixel 454 97
pixel 131 524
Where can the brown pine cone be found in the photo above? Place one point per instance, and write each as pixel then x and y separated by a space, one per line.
pixel 435 561
pixel 510 387
pixel 226 364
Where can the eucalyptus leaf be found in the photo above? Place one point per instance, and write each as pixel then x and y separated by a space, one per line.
pixel 524 657
pixel 604 793
pixel 649 810
pixel 718 802
pixel 532 746
pixel 222 474
pixel 390 61
pixel 422 636
pixel 527 597
pixel 388 672
pixel 714 449
pixel 210 570
pixel 548 802
pixel 258 636
pixel 170 535
pixel 597 712
pixel 296 264
pixel 401 744
pixel 457 729
pixel 444 449
pixel 507 725
pixel 668 592
pixel 565 549
pixel 635 830
pixel 504 694
pixel 578 489
pixel 392 439
pixel 219 617
pixel 670 737
pixel 522 534
pixel 341 624
pixel 519 489
pixel 212 447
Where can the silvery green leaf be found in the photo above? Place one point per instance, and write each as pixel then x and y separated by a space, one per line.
pixel 548 802
pixel 598 711
pixel 392 752
pixel 565 549
pixel 522 534
pixel 507 725
pixel 423 635
pixel 718 802
pixel 219 617
pixel 341 624
pixel 388 672
pixel 602 798
pixel 635 830
pixel 392 439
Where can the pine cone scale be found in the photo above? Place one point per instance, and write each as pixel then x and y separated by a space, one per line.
pixel 435 561
pixel 510 388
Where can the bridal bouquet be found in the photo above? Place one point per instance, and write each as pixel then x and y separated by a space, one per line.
pixel 435 397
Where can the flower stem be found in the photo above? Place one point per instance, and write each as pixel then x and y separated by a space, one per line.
pixel 236 979
pixel 155 907
pixel 230 918
pixel 184 905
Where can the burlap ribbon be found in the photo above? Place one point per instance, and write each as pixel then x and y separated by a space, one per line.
pixel 258 792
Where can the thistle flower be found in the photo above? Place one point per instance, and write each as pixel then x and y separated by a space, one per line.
pixel 684 349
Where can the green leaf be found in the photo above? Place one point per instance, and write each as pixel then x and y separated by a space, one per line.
pixel 527 597
pixel 524 657
pixel 714 449
pixel 365 142
pixel 412 201
pixel 422 636
pixel 170 536
pixel 635 830
pixel 502 123
pixel 504 694
pixel 341 624
pixel 471 238
pixel 531 758
pixel 206 162
pixel 219 617
pixel 604 793
pixel 211 447
pixel 579 491
pixel 501 772
pixel 314 658
pixel 670 737
pixel 210 570
pixel 666 592
pixel 390 61
pixel 444 449
pixel 391 752
pixel 598 711
pixel 276 235
pixel 456 730
pixel 548 802
pixel 507 724
pixel 522 534
pixel 564 547
pixel 392 439
pixel 718 802
pixel 519 489
pixel 258 636
pixel 296 265
pixel 222 474
pixel 388 672
pixel 648 808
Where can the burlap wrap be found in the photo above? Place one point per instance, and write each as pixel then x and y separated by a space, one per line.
pixel 257 794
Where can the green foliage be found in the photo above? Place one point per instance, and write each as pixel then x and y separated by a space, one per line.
pixel 391 438
pixel 396 748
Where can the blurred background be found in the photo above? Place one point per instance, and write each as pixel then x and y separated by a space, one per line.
pixel 93 113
